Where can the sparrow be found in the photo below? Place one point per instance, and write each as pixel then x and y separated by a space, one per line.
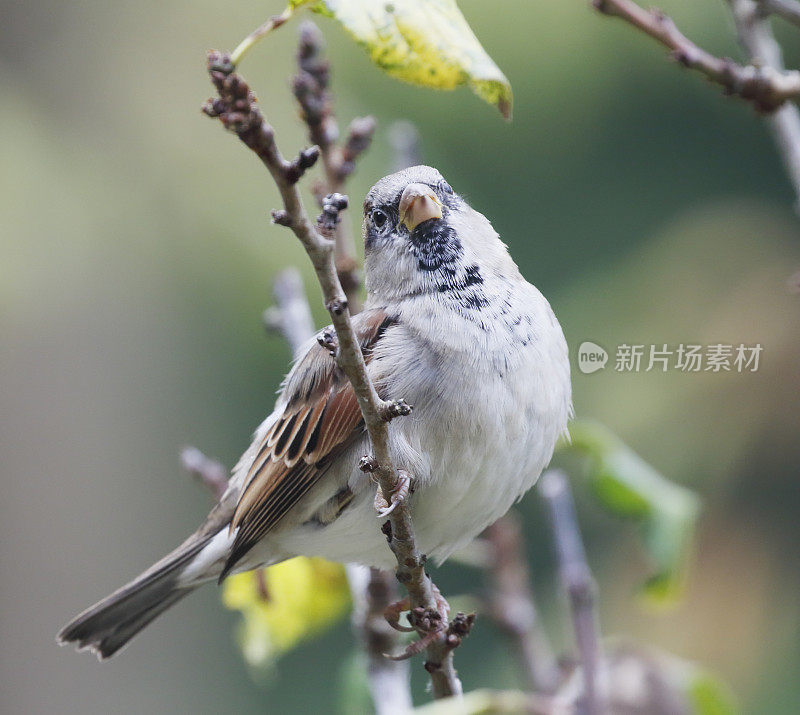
pixel 451 327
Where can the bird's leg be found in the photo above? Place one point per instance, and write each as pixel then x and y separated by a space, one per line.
pixel 428 622
pixel 399 494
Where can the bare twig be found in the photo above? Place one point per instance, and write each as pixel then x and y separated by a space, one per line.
pixel 388 679
pixel 512 605
pixel 767 87
pixel 311 91
pixel 238 111
pixel 789 10
pixel 405 141
pixel 371 590
pixel 316 108
pixel 577 580
pixel 291 314
pixel 755 36
pixel 273 22
pixel 208 471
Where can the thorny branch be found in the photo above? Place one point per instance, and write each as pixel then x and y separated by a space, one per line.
pixel 577 580
pixel 767 87
pixel 238 111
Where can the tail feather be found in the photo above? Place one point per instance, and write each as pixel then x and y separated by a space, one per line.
pixel 111 623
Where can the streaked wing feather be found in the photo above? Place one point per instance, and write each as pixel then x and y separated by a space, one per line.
pixel 321 418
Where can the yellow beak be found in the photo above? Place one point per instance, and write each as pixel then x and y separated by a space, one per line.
pixel 417 204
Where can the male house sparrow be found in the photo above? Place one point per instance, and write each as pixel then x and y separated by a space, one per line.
pixel 451 327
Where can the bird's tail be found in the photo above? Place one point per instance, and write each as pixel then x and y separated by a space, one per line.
pixel 110 624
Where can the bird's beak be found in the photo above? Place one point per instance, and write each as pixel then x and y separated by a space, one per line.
pixel 417 204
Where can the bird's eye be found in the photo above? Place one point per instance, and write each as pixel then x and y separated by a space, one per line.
pixel 379 218
pixel 446 187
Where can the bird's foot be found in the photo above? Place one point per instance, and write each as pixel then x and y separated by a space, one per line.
pixel 430 623
pixel 415 647
pixel 399 494
pixel 441 602
pixel 328 340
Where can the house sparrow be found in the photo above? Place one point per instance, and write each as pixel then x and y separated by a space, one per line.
pixel 451 327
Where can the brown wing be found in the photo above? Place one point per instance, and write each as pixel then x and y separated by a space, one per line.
pixel 320 419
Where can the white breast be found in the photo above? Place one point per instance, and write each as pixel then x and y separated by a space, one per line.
pixel 491 395
pixel 502 398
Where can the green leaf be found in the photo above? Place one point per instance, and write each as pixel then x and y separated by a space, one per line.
pixel 629 487
pixel 424 42
pixel 709 696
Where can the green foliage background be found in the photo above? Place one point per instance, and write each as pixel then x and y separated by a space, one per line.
pixel 135 258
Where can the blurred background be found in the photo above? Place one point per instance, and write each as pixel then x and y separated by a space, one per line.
pixel 136 256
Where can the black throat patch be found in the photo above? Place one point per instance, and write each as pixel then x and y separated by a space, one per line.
pixel 436 246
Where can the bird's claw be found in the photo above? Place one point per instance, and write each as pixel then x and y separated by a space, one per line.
pixel 415 647
pixel 393 611
pixel 399 494
pixel 327 339
pixel 430 623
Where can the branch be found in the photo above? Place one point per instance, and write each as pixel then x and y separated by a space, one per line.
pixel 207 471
pixel 789 10
pixel 372 590
pixel 755 35
pixel 238 111
pixel 291 314
pixel 388 680
pixel 767 87
pixel 310 87
pixel 512 605
pixel 405 141
pixel 577 580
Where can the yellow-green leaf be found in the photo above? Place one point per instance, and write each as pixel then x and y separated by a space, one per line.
pixel 285 604
pixel 425 42
pixel 710 696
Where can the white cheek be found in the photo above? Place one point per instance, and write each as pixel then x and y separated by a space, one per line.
pixel 391 270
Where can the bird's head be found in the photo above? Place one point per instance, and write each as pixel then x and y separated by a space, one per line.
pixel 421 237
